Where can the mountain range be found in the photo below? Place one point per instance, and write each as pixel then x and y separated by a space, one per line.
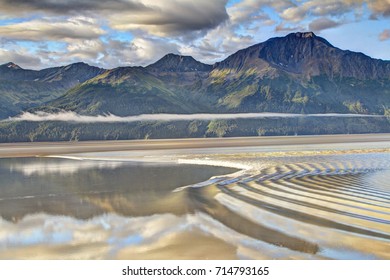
pixel 299 73
pixel 22 89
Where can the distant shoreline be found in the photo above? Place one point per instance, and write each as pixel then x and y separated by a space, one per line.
pixel 8 150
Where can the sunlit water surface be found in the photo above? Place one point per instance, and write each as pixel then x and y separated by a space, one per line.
pixel 290 202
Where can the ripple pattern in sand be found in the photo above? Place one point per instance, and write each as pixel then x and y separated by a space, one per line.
pixel 328 208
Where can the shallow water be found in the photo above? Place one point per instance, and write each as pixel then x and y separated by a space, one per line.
pixel 84 189
pixel 290 203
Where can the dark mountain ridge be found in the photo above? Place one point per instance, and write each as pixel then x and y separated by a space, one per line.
pixel 68 75
pixel 309 55
pixel 178 63
pixel 21 89
pixel 300 73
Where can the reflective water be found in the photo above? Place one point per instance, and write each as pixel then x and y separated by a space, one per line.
pixel 288 204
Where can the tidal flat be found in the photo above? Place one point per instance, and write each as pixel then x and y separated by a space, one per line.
pixel 313 197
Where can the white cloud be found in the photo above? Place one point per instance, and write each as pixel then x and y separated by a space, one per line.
pixel 21 56
pixel 215 47
pixel 246 20
pixel 204 29
pixel 171 17
pixel 322 23
pixel 68 116
pixel 294 14
pixel 319 8
pixel 85 49
pixel 62 167
pixel 288 28
pixel 53 29
pixel 385 35
pixel 155 17
pixel 140 51
pixel 379 7
pixel 148 50
pixel 250 9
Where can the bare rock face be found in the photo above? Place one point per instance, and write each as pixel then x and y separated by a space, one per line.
pixel 306 54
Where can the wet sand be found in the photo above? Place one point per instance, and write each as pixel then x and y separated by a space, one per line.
pixel 58 148
pixel 301 197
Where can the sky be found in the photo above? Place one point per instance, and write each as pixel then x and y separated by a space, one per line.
pixel 37 34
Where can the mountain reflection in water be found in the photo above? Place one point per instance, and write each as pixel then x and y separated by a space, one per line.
pixel 296 207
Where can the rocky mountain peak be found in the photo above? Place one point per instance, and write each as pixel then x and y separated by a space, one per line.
pixel 304 34
pixel 298 52
pixel 178 63
pixel 11 65
pixel 79 64
pixel 307 55
pixel 310 55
